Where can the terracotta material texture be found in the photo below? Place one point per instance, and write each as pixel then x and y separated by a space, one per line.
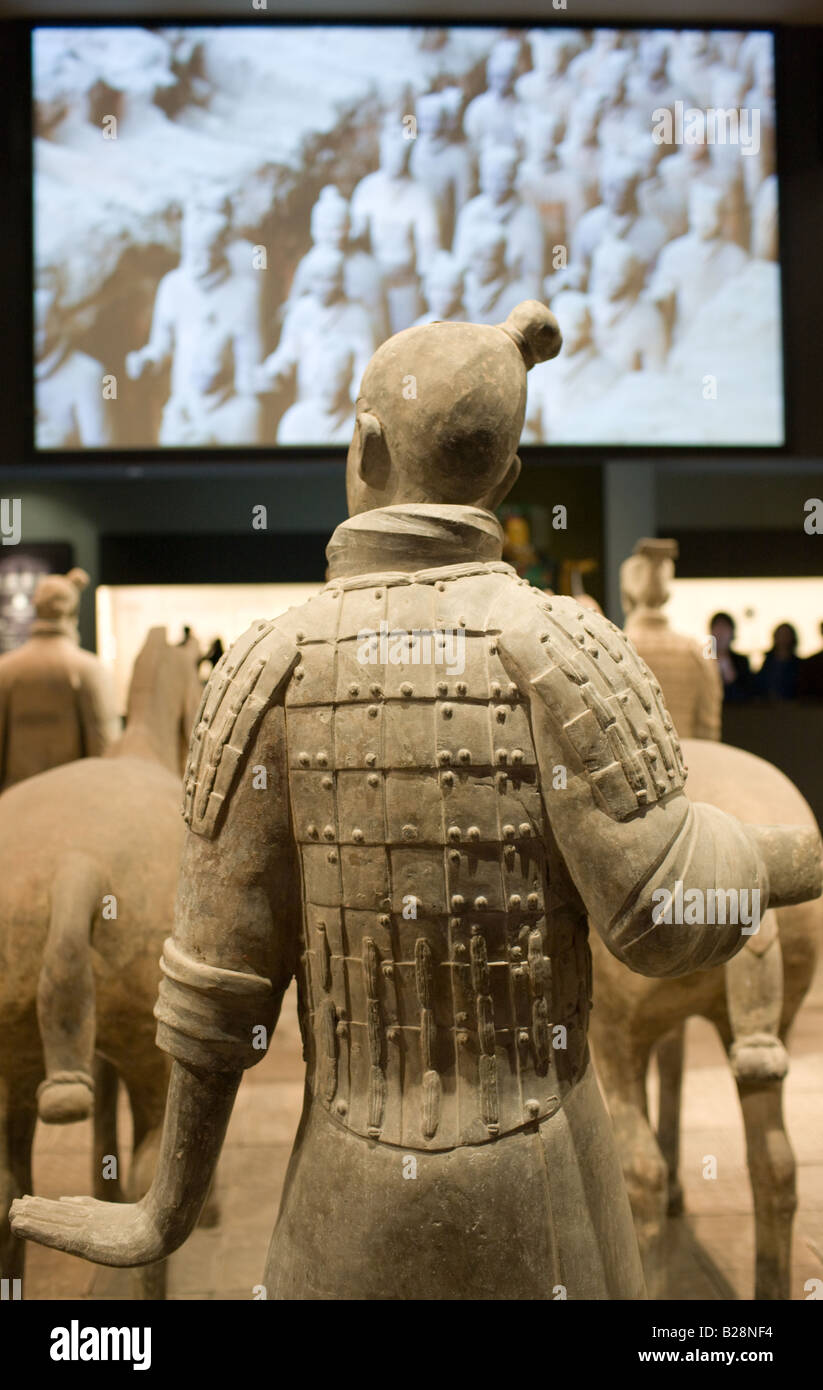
pixel 752 1001
pixel 689 678
pixel 56 702
pixel 423 842
pixel 89 857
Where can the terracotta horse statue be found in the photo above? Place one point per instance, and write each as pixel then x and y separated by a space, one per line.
pixel 89 857
pixel 752 1001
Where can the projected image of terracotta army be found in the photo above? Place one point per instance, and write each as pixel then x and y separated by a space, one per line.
pixel 581 376
pixel 547 86
pixel 499 202
pixel 490 287
pixel 495 115
pixel 326 416
pixel 628 329
pixel 443 291
pixel 70 409
pixel 398 216
pixel 317 327
pixel 545 184
pixel 694 267
pixel 440 161
pixel 330 230
pixel 206 328
pixel 617 217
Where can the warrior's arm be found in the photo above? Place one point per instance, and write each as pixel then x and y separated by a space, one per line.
pixel 97 709
pixel 709 711
pixel 619 851
pixel 226 969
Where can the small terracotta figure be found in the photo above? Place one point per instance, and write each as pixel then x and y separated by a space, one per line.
pixel 690 680
pixel 461 772
pixel 56 701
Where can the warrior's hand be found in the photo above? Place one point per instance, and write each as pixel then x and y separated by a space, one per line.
pixel 109 1233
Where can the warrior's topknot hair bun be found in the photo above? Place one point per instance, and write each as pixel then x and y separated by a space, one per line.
pixel 79 579
pixel 535 332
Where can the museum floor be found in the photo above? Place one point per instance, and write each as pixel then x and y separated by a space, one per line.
pixel 711 1249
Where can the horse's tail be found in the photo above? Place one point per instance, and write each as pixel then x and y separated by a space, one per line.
pixel 65 991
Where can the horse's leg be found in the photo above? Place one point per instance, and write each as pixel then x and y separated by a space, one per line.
pixel 65 994
pixel 18 1115
pixel 622 1063
pixel 106 1084
pixel 754 996
pixel 772 1173
pixel 669 1056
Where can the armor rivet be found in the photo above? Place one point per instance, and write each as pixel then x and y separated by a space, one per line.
pixel 312 832
pixel 515 901
pixel 525 829
pixel 341 1107
pixel 493 648
pixel 335 593
pixel 357 836
pixel 500 714
pixel 441 588
pixel 545 636
pixel 475 928
pixel 533 902
pixel 371 759
pixel 548 607
pixel 580 638
pixel 354 689
pixel 512 691
pixel 374 710
pixel 517 756
pixel 461 687
pixel 473 832
pixel 461 622
pixel 458 903
pixel 373 779
pixel 388 970
pixel 508 832
pixel 303 759
pixel 462 1038
pixel 342 1030
pixel 518 972
pixel 463 755
pixel 516 953
pixel 447 711
pixel 495 690
pixel 299 636
pixel 409 832
pixel 532 1107
pixel 406 689
pixel 385 920
pixel 392 1034
pixel 444 756
pixel 502 755
pixel 454 832
pixel 447 779
pixel 327 783
pixel 442 688
pixel 376 690
pixel 481 904
pixel 523 1035
pixel 322 759
pixel 594 651
pixel 459 950
pixel 332 856
pixel 454 856
pixel 328 832
pixel 299 674
pixel 378 593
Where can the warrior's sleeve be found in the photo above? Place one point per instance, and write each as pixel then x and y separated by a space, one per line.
pixel 612 780
pixel 236 929
pixel 96 707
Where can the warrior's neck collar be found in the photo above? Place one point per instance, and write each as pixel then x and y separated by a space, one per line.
pixel 413 536
pixel 54 627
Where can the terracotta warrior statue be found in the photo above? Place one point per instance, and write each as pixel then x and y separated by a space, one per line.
pixel 56 703
pixel 691 683
pixel 461 773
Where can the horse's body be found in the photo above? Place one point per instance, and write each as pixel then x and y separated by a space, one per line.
pixel 79 844
pixel 633 1015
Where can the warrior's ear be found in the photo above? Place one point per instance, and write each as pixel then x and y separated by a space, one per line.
pixel 370 451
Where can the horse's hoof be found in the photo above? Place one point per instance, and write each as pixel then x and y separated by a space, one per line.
pixel 760 1057
pixel 63 1102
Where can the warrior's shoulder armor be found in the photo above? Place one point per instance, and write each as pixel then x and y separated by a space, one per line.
pixel 242 686
pixel 602 695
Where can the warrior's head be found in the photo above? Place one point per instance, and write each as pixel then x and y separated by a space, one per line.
pixel 57 597
pixel 441 409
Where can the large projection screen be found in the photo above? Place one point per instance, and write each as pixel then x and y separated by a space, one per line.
pixel 228 220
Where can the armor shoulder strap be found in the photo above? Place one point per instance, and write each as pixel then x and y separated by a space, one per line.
pixel 603 697
pixel 242 686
